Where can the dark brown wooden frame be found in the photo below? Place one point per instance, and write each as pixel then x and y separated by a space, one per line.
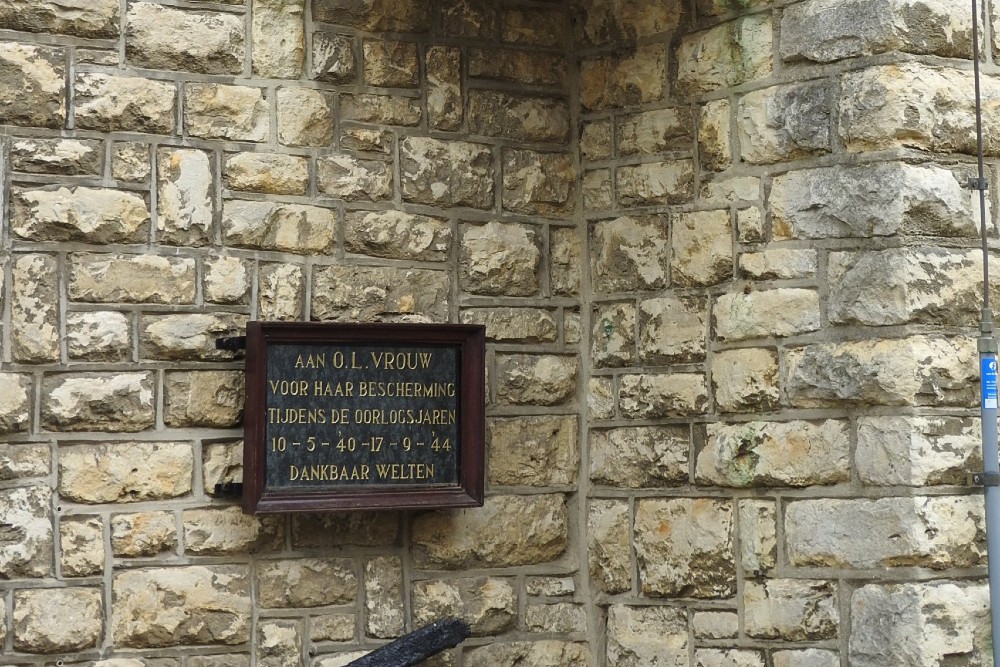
pixel 470 340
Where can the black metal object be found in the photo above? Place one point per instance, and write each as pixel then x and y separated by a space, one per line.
pixel 417 646
pixel 978 184
pixel 232 343
pixel 985 479
pixel 229 489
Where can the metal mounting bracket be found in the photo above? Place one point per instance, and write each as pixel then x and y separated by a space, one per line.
pixel 978 184
pixel 984 479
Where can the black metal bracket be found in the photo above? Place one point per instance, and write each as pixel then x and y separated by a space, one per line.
pixel 978 184
pixel 984 479
pixel 229 489
pixel 233 343
pixel 417 646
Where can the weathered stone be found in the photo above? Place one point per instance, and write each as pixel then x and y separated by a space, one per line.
pixel 24 460
pixel 335 529
pixel 374 15
pixel 918 370
pixel 69 157
pixel 34 309
pixel 226 280
pixel 711 657
pixel 746 380
pixel 280 292
pixel 366 140
pixel 930 623
pixel 333 58
pixel 332 627
pixel 636 457
pixel 32 89
pixel 601 21
pixel 758 535
pixel 791 609
pixel 779 264
pixel 238 113
pixel 97 56
pixel 143 534
pixel 124 103
pixel 672 330
pixel 161 37
pixel 26 541
pixel 267 225
pixel 341 659
pixel 131 279
pixel 600 398
pixel 91 215
pixel 565 261
pixel 521 325
pixel 518 117
pixel 544 652
pixel 98 402
pixel 446 173
pixel 306 582
pixel 15 402
pixel 653 132
pixel 221 463
pixel 279 643
pixel 81 544
pixel 684 547
pixel 938 533
pixel 500 259
pixel 130 161
pixel 278 38
pixel 541 26
pixel 597 191
pixel 595 140
pixel 213 660
pixel 613 335
pixel 368 293
pixel 777 312
pixel 184 187
pixel 609 546
pixel 618 81
pixel 398 235
pixel 714 146
pixel 662 395
pixel 810 657
pixel 561 617
pixel 125 472
pixel 750 225
pixel 538 183
pixel 468 18
pixel 647 636
pixel 77 626
pixel 784 123
pixel 227 530
pixel 188 336
pixel 702 248
pixel 542 586
pixel 305 117
pixel 715 624
pixel 381 109
pixel 82 18
pixel 520 67
pixel 726 55
pixel 532 451
pixel 98 336
pixel 384 597
pixel 629 254
pixel 524 379
pixel 508 531
pixel 390 63
pixel 444 87
pixel 268 173
pixel 170 606
pixel 719 189
pixel 351 179
pixel 211 399
pixel 670 182
pixel 916 451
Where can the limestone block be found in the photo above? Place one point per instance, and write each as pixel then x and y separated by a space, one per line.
pixel 719 7
pixel 919 624
pixel 712 657
pixel 702 248
pixel 23 460
pixel 672 329
pixel 268 225
pixel 722 189
pixel 81 541
pixel 601 21
pixel 662 395
pixel 34 309
pixel 374 15
pixel 226 280
pixel 131 279
pixel 791 609
pixel 98 336
pixel 305 117
pixel 185 188
pixel 839 201
pixel 798 453
pixel 636 457
pixel 367 140
pixel 130 161
pixel 335 529
pixel 565 253
pixel 381 109
pixel 514 325
pixel 445 108
pixel 33 81
pixel 500 259
pixel 171 606
pixel 609 546
pixel 518 117
pixel 522 67
pixel 595 140
pixel 143 534
pixel 549 587
pixel 446 173
pixel 91 215
pixel 825 31
pixel 352 179
pixel 684 547
pixel 778 312
pixel 746 380
pixel 341 659
pixel 125 472
pixel 390 63
pixel 212 399
pixel 532 451
pixel 306 582
pixel 332 627
pixel 657 131
pixel 924 285
pixel 784 123
pixel 368 293
pixel 26 542
pixel 161 37
pixel 82 18
pixel 237 113
pixel 540 26
pixel 213 660
pixel 810 657
pixel 647 636
pixel 629 254
pixel 508 531
pixel 280 292
pixel 758 535
pixel 560 617
pixel 69 157
pixel 98 402
pixel 919 370
pixel 714 145
pixel 938 532
pixel 268 173
pixel 916 451
pixel 779 264
pixel 715 624
pixel 543 652
pixel 123 103
pixel 78 625
pixel 15 402
pixel 227 530
pixel 538 183
pixel 279 643
pixel 384 597
pixel 278 38
pixel 670 182
pixel 333 58
pixel 534 379
pixel 468 18
pixel 221 462
pixel 188 336
pixel 726 55
pixel 613 335
pixel 611 81
pixel 750 225
pixel 597 192
pixel 397 235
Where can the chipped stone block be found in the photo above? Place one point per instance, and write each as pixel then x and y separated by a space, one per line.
pixel 368 293
pixel 81 541
pixel 746 380
pixel 532 451
pixel 518 117
pixel 32 90
pixel 130 161
pixel 715 147
pixel 791 609
pixel 374 15
pixel 279 643
pixel 445 108
pixel 280 292
pixel 597 191
pixel 535 379
pixel 305 117
pixel 227 530
pixel 669 182
pixel 521 67
pixel 237 113
pixel 306 582
pixel 24 460
pixel 352 179
pixel 629 254
pixel 268 173
pixel 595 140
pixel 652 132
pixel 560 617
pixel 784 123
pixel 761 314
pixel 185 192
pixel 96 19
pixel 143 534
pixel 278 38
pixel 565 250
pixel 332 529
pixel 77 626
pixel 726 55
pixel 34 311
pixel 538 183
pixel 98 402
pixel 91 215
pixel 98 336
pixel 917 451
pixel 124 103
pixel 188 336
pixel 384 597
pixel 702 248
pixel 333 58
pixel 543 652
pixel 647 636
pixel 125 472
pixel 398 235
pixel 211 399
pixel 514 325
pixel 758 535
pixel 226 280
pixel 26 543
pixel 715 624
pixel 779 263
pixel 390 63
pixel 381 109
pixel 275 226
pixel 711 657
pixel 159 37
pixel 672 330
pixel 636 457
pixel 221 463
pixel 500 259
pixel 662 395
pixel 609 545
pixel 15 402
pixel 613 335
pixel 446 173
pixel 542 26
pixel 810 657
pixel 332 627
pixel 66 157
pixel 611 81
pixel 131 279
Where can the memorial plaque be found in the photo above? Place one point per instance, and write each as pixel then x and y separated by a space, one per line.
pixel 355 416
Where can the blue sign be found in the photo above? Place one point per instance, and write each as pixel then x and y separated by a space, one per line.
pixel 988 373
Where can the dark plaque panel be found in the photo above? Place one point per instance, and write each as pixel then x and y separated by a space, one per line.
pixel 356 416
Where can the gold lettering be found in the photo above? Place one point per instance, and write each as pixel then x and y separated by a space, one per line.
pixel 293 473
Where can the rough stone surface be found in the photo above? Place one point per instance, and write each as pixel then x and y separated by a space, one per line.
pixel 518 117
pixel 267 173
pixel 779 313
pixel 238 113
pixel 25 460
pixel 487 604
pixel 532 451
pixel 34 317
pixel 746 380
pixel 609 546
pixel 124 103
pixel 278 38
pixel 647 636
pixel 565 261
pixel 333 58
pixel 624 80
pixel 535 379
pixel 91 215
pixel 159 37
pixel 188 336
pixel 390 63
pixel 203 398
pixel 613 336
pixel 226 280
pixel 69 157
pixel 525 325
pixel 351 179
pixel 543 652
pixel 184 197
pixel 26 541
pixel 31 92
pixel 662 395
pixel 672 330
pixel 143 534
pixel 15 402
pixel 77 626
pixel 639 456
pixel 726 55
pixel 538 183
pixel 280 292
pixel 916 451
pixel 269 225
pixel 221 462
pixel 711 657
pixel 131 279
pixel 98 402
pixel 653 132
pixel 130 162
pixel 446 173
pixel 714 145
pixel 715 624
pixel 374 15
pixel 222 531
pixel 98 336
pixel 384 597
pixel 701 248
pixel 383 109
pixel 791 609
pixel 82 18
pixel 306 582
pixel 810 657
pixel 628 254
pixel 125 472
pixel 362 293
pixel 398 235
pixel 278 643
pixel 500 259
pixel 305 117
pixel 330 529
pixel 561 617
pixel 779 264
pixel 81 543
pixel 332 627
pixel 655 183
pixel 784 123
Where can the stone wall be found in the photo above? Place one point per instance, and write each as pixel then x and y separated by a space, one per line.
pixel 727 268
